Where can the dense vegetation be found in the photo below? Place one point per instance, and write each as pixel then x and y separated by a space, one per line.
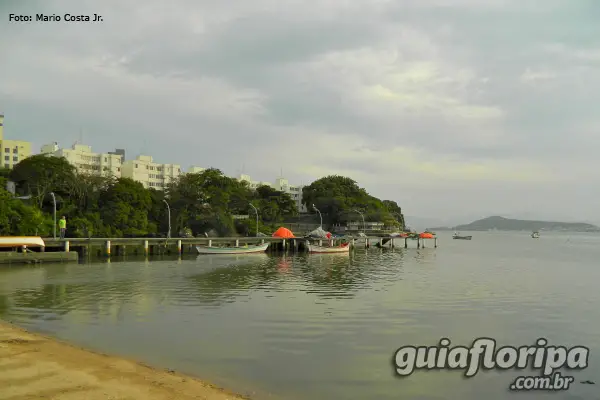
pixel 338 198
pixel 107 207
pixel 202 203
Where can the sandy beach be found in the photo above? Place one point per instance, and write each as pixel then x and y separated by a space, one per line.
pixel 33 366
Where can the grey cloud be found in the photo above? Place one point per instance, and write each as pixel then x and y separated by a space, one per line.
pixel 282 55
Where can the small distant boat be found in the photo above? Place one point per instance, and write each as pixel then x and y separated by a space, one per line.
pixel 343 248
pixel 20 241
pixel 535 234
pixel 261 248
pixel 461 237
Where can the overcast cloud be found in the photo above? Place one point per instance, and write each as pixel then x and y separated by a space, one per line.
pixel 449 107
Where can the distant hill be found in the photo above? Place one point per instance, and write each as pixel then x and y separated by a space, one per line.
pixel 507 224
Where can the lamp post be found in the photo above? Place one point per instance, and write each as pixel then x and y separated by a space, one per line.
pixel 363 218
pixel 169 220
pixel 320 216
pixel 256 211
pixel 54 204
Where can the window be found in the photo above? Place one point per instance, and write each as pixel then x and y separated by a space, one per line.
pixel 136 165
pixel 7 150
pixel 105 159
pixel 119 169
pixel 15 150
pixel 6 158
pixel 15 158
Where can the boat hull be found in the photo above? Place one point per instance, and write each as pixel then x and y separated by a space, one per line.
pixel 462 237
pixel 321 249
pixel 232 250
pixel 20 241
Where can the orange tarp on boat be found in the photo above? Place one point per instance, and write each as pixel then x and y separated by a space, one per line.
pixel 283 233
pixel 426 235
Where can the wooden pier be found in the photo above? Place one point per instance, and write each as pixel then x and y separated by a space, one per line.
pixel 108 247
pixel 34 257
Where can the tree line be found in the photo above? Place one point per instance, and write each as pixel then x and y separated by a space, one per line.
pixel 198 203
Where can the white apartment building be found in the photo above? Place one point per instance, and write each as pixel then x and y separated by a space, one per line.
pixel 196 170
pixel 86 161
pixel 253 184
pixel 151 174
pixel 295 192
pixel 282 185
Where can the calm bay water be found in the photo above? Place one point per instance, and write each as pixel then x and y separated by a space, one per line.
pixel 327 326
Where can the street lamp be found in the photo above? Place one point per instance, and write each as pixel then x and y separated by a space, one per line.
pixel 363 218
pixel 256 211
pixel 169 214
pixel 320 216
pixel 54 204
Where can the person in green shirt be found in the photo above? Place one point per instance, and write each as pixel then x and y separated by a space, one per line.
pixel 62 224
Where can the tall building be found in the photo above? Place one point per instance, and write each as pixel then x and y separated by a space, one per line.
pixel 119 152
pixel 196 170
pixel 12 151
pixel 295 192
pixel 86 161
pixel 253 184
pixel 282 185
pixel 151 174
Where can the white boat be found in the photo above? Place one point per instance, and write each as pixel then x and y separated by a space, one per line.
pixel 344 248
pixel 20 241
pixel 261 248
pixel 535 235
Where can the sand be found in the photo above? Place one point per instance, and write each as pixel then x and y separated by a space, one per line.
pixel 34 366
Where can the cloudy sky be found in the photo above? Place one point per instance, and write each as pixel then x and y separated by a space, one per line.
pixel 453 108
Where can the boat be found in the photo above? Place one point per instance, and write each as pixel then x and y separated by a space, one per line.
pixel 461 237
pixel 232 250
pixel 535 234
pixel 20 241
pixel 343 248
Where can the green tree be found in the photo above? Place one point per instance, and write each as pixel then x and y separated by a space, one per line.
pixel 41 174
pixel 395 210
pixel 205 201
pixel 337 198
pixel 124 208
pixel 18 218
pixel 273 204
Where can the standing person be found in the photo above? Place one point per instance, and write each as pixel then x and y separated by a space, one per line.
pixel 62 224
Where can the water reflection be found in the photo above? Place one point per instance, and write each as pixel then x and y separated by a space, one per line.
pixel 318 325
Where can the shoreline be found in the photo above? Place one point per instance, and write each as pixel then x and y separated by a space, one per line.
pixel 34 366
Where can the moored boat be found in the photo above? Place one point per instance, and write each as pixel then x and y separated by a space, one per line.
pixel 261 248
pixel 343 248
pixel 20 241
pixel 461 237
pixel 535 235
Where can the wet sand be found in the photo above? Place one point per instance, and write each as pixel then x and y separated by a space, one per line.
pixel 34 366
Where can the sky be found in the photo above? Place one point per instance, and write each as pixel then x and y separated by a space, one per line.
pixel 455 109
